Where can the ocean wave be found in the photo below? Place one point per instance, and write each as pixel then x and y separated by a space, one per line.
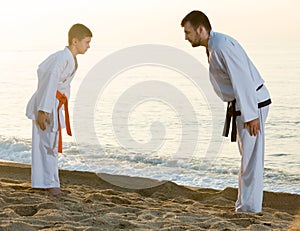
pixel 219 173
pixel 15 149
pixel 279 154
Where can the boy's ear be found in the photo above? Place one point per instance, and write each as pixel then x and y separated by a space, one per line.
pixel 74 41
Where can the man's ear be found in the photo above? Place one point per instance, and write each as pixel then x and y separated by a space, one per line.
pixel 199 29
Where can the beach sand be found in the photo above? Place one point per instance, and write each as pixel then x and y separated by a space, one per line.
pixel 107 202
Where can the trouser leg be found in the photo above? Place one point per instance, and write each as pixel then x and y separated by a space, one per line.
pixel 250 190
pixel 44 171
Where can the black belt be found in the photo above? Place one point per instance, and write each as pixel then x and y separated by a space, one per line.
pixel 231 112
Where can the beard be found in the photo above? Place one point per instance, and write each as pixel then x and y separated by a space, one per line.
pixel 195 43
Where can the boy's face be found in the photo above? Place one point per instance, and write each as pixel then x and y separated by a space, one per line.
pixel 83 45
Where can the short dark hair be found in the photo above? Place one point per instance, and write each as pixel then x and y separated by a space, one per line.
pixel 79 31
pixel 197 18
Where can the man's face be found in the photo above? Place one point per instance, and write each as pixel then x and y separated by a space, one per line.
pixel 192 35
pixel 83 45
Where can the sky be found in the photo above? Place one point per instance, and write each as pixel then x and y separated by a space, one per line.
pixel 43 24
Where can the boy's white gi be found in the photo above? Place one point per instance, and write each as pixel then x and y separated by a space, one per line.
pixel 54 74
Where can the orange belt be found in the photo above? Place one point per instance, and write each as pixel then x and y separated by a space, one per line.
pixel 63 101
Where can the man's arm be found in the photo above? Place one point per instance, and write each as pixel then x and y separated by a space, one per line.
pixel 254 126
pixel 237 66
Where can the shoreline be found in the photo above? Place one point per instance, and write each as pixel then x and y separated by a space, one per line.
pixel 106 202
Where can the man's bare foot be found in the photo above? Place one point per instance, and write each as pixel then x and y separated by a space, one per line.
pixel 56 192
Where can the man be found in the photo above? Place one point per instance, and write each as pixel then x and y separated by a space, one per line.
pixel 236 81
pixel 45 109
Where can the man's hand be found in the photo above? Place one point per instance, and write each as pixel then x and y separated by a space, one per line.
pixel 254 126
pixel 42 119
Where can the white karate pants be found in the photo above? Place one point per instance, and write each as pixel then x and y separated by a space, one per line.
pixel 250 190
pixel 44 170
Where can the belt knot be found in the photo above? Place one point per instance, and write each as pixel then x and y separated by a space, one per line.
pixel 63 100
pixel 231 115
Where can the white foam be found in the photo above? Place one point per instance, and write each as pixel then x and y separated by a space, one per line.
pixel 220 174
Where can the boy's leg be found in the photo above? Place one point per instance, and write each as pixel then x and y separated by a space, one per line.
pixel 44 171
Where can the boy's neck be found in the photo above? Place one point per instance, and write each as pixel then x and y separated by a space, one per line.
pixel 73 50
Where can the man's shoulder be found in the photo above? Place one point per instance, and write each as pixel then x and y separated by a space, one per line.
pixel 220 41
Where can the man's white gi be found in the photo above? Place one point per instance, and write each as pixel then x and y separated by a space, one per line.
pixel 55 73
pixel 234 76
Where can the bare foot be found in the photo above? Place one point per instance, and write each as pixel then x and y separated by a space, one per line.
pixel 56 192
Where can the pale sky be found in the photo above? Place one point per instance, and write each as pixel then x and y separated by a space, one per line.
pixel 36 24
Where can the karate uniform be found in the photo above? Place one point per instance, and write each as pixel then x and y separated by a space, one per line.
pixel 234 77
pixel 54 74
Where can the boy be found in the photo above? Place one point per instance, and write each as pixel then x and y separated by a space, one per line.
pixel 45 109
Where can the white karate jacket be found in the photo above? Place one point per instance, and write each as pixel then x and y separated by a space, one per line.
pixel 234 76
pixel 55 73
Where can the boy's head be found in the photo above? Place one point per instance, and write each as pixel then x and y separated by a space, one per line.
pixel 79 31
pixel 79 39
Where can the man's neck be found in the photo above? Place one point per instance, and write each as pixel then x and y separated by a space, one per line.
pixel 205 40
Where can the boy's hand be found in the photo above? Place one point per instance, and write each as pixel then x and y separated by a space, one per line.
pixel 42 119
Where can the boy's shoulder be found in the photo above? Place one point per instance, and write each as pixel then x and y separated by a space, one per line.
pixel 60 56
pixel 61 53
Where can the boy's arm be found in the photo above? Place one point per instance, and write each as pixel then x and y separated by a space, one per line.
pixel 42 119
pixel 49 75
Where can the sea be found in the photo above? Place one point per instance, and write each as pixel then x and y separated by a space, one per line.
pixel 149 118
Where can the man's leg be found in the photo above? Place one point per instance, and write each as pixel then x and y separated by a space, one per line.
pixel 250 192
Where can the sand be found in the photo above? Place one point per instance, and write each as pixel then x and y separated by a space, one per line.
pixel 108 202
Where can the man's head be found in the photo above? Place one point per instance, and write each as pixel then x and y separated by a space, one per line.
pixel 80 37
pixel 196 28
